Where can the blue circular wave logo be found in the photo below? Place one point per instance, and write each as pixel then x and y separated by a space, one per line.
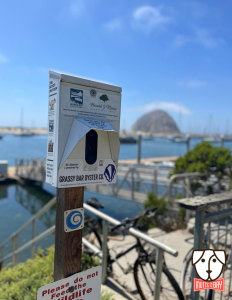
pixel 110 172
pixel 74 220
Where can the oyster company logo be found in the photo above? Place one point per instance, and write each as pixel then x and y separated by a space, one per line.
pixel 76 97
pixel 110 172
pixel 209 265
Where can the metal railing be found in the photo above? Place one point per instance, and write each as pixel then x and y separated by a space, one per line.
pixel 187 184
pixel 161 248
pixel 14 237
pixel 133 181
pixel 213 221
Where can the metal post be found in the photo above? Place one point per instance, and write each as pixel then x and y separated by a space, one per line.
pixel 2 252
pixel 33 236
pixel 198 243
pixel 155 182
pixel 139 149
pixel 13 249
pixel 159 267
pixel 2 255
pixel 16 247
pixel 187 143
pixel 222 140
pixel 132 184
pixel 16 166
pixel 187 215
pixel 104 251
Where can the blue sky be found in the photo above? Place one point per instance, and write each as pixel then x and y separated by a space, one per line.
pixel 173 55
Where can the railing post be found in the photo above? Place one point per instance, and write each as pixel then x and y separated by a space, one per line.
pixel 222 140
pixel 13 250
pixel 154 190
pixel 16 166
pixel 16 247
pixel 104 251
pixel 139 149
pixel 187 215
pixel 2 255
pixel 159 267
pixel 187 143
pixel 33 236
pixel 132 184
pixel 198 243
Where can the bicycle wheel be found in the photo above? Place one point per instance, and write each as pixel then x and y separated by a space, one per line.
pixel 186 280
pixel 144 275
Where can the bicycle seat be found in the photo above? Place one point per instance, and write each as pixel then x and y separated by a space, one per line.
pixel 94 203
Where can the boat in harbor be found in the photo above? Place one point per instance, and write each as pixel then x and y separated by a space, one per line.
pixel 127 139
pixel 23 132
pixel 212 139
pixel 148 137
pixel 179 140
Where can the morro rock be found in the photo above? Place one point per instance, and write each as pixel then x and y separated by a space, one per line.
pixel 157 121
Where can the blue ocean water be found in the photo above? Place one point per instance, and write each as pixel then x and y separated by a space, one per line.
pixel 12 147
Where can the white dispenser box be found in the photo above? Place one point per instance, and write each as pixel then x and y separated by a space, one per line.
pixel 83 131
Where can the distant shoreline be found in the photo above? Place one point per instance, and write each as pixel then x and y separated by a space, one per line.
pixel 17 130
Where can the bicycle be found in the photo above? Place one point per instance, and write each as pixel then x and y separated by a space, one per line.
pixel 216 242
pixel 144 269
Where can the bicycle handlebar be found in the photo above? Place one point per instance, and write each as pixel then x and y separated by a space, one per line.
pixel 131 222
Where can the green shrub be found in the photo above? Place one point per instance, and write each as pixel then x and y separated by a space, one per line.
pixel 152 201
pixel 23 281
pixel 205 158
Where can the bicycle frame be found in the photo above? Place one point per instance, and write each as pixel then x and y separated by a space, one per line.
pixel 137 245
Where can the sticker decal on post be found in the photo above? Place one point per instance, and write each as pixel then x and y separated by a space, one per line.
pixel 73 219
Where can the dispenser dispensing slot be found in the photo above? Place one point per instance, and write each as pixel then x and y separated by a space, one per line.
pixel 91 144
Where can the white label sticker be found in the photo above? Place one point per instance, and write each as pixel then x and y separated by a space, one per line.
pixel 72 173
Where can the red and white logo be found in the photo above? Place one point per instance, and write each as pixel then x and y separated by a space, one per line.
pixel 208 265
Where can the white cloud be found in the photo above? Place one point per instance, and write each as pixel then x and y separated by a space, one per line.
pixel 192 83
pixel 149 17
pixel 3 58
pixel 201 37
pixel 77 7
pixel 168 106
pixel 113 25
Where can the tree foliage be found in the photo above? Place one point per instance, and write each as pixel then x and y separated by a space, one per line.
pixel 205 158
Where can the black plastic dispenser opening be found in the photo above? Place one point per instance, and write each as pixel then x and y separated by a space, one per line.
pixel 91 147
